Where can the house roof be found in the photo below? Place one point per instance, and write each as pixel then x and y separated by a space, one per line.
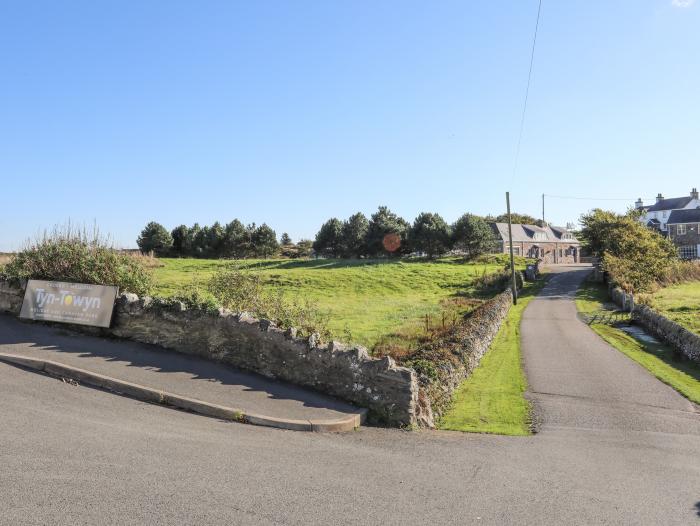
pixel 691 215
pixel 673 203
pixel 526 233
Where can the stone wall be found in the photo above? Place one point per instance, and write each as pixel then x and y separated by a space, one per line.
pixel 11 296
pixel 621 298
pixel 390 392
pixel 669 331
pixel 395 395
pixel 685 341
pixel 443 368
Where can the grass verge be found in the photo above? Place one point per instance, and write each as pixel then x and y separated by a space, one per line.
pixel 659 359
pixel 491 400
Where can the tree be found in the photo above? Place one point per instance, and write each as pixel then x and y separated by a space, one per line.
pixel 264 241
pixel 516 219
pixel 354 236
pixel 155 238
pixel 179 235
pixel 200 243
pixel 598 232
pixel 235 240
pixel 430 234
pixel 329 239
pixel 304 248
pixel 634 256
pixel 285 239
pixel 473 235
pixel 387 233
pixel 191 243
pixel 215 240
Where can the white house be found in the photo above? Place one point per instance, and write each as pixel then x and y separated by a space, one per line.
pixel 657 215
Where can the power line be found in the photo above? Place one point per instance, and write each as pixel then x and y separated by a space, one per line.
pixel 595 198
pixel 527 90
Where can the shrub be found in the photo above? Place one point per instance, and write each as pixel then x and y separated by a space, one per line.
pixel 242 291
pixel 680 271
pixel 73 255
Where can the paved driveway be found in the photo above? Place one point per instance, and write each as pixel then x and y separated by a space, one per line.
pixel 74 455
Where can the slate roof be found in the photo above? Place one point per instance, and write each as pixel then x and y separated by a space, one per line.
pixel 526 233
pixel 673 203
pixel 691 215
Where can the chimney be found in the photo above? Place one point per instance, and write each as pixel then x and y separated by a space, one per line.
pixel 659 198
pixel 639 204
pixel 694 193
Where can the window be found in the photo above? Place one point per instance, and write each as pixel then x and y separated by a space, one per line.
pixel 681 230
pixel 516 250
pixel 665 214
pixel 688 252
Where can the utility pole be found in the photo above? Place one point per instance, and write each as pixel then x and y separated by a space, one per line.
pixel 512 258
pixel 543 222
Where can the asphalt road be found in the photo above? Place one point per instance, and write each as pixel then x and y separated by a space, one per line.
pixel 75 455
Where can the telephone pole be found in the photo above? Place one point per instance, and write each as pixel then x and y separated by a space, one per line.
pixel 543 222
pixel 512 258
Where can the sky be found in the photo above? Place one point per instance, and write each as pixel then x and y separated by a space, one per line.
pixel 289 113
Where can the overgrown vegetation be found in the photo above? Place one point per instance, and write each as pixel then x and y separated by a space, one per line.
pixel 76 255
pixel 242 291
pixel 660 360
pixel 635 257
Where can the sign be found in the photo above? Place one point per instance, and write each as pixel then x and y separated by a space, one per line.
pixel 76 303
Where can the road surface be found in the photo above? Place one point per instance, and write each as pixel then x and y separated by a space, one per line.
pixel 75 455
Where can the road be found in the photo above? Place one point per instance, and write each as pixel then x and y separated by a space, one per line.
pixel 615 447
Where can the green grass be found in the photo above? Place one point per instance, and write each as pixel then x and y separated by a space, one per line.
pixel 367 299
pixel 681 303
pixel 491 400
pixel 659 359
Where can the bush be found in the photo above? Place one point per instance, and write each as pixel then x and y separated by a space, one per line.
pixel 242 291
pixel 679 272
pixel 75 256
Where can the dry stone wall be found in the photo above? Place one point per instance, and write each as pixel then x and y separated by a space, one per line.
pixel 395 395
pixel 671 332
pixel 443 368
pixel 685 341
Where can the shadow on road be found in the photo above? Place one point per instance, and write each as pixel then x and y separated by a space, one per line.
pixel 33 339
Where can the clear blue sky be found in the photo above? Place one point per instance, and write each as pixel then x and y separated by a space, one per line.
pixel 292 112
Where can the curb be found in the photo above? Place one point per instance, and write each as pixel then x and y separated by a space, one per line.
pixel 148 394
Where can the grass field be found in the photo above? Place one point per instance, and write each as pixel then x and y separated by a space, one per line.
pixel 660 360
pixel 491 400
pixel 681 303
pixel 369 300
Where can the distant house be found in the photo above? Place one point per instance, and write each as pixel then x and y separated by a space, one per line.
pixel 678 218
pixel 548 244
pixel 657 215
pixel 683 227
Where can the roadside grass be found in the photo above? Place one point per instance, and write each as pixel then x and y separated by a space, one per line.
pixel 491 400
pixel 368 301
pixel 659 359
pixel 680 303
